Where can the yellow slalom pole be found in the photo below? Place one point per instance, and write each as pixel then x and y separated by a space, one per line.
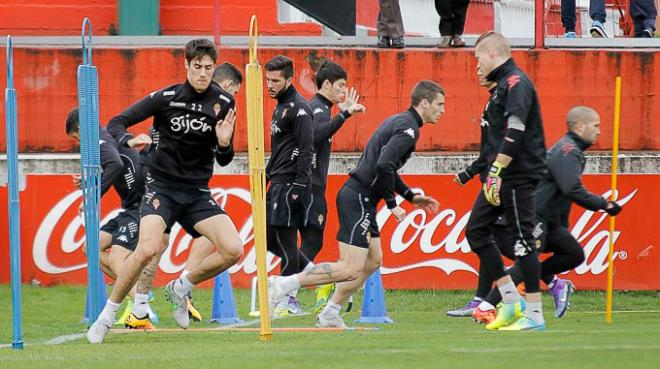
pixel 615 164
pixel 257 168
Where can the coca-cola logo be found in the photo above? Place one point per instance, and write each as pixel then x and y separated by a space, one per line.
pixel 429 240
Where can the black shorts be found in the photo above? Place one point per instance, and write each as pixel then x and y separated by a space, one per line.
pixel 357 215
pixel 185 205
pixel 317 211
pixel 282 210
pixel 124 228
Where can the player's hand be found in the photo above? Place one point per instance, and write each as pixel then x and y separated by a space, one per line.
pixel 351 104
pixel 224 130
pixel 427 203
pixel 399 213
pixel 77 181
pixel 613 209
pixel 139 142
pixel 461 178
pixel 493 183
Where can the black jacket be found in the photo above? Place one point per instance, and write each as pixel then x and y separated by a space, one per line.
pixel 291 140
pixel 386 152
pixel 515 95
pixel 562 186
pixel 488 149
pixel 185 143
pixel 122 169
pixel 324 128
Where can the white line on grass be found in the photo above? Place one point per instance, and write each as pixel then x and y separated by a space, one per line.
pixel 557 348
pixel 619 312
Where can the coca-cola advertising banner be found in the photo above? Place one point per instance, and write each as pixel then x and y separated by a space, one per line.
pixel 422 251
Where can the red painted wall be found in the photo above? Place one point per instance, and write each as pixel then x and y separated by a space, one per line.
pixel 64 17
pixel 46 87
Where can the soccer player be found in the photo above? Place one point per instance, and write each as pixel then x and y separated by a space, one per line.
pixel 560 188
pixel 331 81
pixel 516 131
pixel 479 167
pixel 121 169
pixel 289 168
pixel 230 79
pixel 194 122
pixel 375 178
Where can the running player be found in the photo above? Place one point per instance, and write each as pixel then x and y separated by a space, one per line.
pixel 375 178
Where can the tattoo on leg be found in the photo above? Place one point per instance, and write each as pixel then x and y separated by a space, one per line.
pixel 324 268
pixel 146 279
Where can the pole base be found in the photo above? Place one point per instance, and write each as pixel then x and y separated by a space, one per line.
pixel 223 321
pixel 17 345
pixel 375 320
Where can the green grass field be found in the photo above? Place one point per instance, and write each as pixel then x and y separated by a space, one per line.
pixel 421 337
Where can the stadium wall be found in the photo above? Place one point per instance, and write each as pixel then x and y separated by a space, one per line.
pixel 46 86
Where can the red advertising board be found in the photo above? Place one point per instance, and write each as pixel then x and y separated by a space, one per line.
pixel 423 251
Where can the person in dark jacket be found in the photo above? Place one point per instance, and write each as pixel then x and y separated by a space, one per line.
pixel 289 169
pixel 555 194
pixel 375 178
pixel 194 123
pixel 516 129
pixel 331 81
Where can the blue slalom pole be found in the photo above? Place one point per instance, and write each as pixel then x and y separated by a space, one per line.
pixel 13 200
pixel 90 164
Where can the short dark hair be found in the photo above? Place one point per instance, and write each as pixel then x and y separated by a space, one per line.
pixel 72 122
pixel 425 89
pixel 196 49
pixel 227 71
pixel 281 63
pixel 330 71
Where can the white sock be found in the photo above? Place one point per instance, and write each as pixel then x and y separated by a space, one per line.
pixel 331 309
pixel 184 273
pixel 109 311
pixel 294 293
pixel 290 283
pixel 308 266
pixel 140 305
pixel 477 298
pixel 485 306
pixel 182 286
pixel 534 311
pixel 552 283
pixel 509 293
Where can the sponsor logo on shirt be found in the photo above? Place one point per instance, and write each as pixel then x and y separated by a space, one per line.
pixel 185 124
pixel 177 104
pixel 301 113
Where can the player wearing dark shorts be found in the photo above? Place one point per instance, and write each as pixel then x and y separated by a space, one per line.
pixel 555 194
pixel 331 89
pixel 194 122
pixel 289 168
pixel 517 131
pixel 122 170
pixel 374 179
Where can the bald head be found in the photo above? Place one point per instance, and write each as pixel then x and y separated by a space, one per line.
pixel 580 114
pixel 585 122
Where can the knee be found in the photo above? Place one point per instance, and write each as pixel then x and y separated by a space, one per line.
pixel 347 272
pixel 147 249
pixel 234 253
pixel 578 258
pixel 372 266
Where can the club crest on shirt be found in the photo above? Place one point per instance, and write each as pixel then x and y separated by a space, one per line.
pixel 321 219
pixel 216 108
pixel 155 202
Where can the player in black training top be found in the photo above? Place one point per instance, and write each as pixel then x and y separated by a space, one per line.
pixel 555 194
pixel 121 169
pixel 289 169
pixel 375 178
pixel 508 190
pixel 194 122
pixel 331 81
